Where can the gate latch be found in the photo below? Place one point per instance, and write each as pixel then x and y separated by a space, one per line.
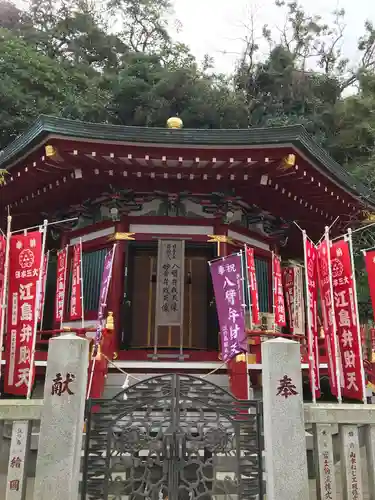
pixel 181 445
pixel 168 445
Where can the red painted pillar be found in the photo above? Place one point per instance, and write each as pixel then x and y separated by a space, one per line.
pixel 238 378
pixel 117 282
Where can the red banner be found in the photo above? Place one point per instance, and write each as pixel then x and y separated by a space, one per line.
pixel 2 271
pixel 347 323
pixel 24 267
pixel 326 301
pixel 62 257
pixel 43 287
pixel 278 294
pixel 289 288
pixel 372 336
pixel 312 311
pixel 370 268
pixel 250 262
pixel 76 294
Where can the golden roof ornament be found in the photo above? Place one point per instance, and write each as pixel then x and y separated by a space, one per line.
pixel 288 161
pixel 174 122
pixel 50 151
pixel 3 173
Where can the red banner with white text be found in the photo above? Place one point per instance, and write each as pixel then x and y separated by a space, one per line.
pixel 62 257
pixel 76 294
pixel 347 323
pixel 312 311
pixel 24 267
pixel 289 288
pixel 278 294
pixel 250 262
pixel 370 268
pixel 2 271
pixel 326 301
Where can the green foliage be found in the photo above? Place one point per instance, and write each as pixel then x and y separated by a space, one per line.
pixel 33 83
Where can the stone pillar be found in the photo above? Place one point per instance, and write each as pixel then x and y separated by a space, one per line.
pixel 61 429
pixel 284 428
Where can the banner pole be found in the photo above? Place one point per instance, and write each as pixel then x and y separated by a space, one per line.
pixel 333 318
pixel 37 299
pixel 64 291
pixel 248 288
pixel 312 361
pixel 97 339
pixel 182 298
pixel 62 221
pixel 44 292
pixel 81 279
pixel 350 239
pixel 273 290
pixel 157 301
pixel 4 294
pixel 244 264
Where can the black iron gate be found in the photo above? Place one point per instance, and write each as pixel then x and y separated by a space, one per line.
pixel 175 437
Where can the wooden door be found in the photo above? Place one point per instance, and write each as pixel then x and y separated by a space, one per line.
pixel 142 279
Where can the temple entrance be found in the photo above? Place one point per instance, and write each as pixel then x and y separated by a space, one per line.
pixel 139 327
pixel 173 436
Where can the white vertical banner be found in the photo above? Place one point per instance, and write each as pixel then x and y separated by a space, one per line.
pixel 170 283
pixel 299 303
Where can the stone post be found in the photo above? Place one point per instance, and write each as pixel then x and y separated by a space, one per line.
pixel 61 429
pixel 284 428
pixel 17 464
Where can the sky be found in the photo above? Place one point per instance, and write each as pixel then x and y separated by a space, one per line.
pixel 217 27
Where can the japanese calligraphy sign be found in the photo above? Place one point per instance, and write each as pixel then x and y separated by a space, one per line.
pixel 253 285
pixel 170 283
pixel 76 294
pixel 293 287
pixel 347 323
pixel 312 311
pixel 24 267
pixel 61 385
pixel 2 269
pixel 288 275
pixel 42 289
pixel 19 448
pixel 299 303
pixel 227 278
pixel 370 268
pixel 62 257
pixel 326 300
pixel 278 294
pixel 286 388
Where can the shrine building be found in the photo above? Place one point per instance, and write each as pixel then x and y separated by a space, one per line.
pixel 214 189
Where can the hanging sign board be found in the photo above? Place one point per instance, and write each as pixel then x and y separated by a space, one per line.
pixel 170 283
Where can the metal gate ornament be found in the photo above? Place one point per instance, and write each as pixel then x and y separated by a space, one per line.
pixel 177 437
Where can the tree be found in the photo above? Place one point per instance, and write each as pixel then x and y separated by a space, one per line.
pixel 33 83
pixel 148 91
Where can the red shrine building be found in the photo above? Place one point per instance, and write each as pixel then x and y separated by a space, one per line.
pixel 216 190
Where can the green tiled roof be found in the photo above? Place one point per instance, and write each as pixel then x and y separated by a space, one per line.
pixel 295 135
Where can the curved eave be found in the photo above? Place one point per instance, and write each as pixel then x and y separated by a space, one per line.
pixel 295 135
